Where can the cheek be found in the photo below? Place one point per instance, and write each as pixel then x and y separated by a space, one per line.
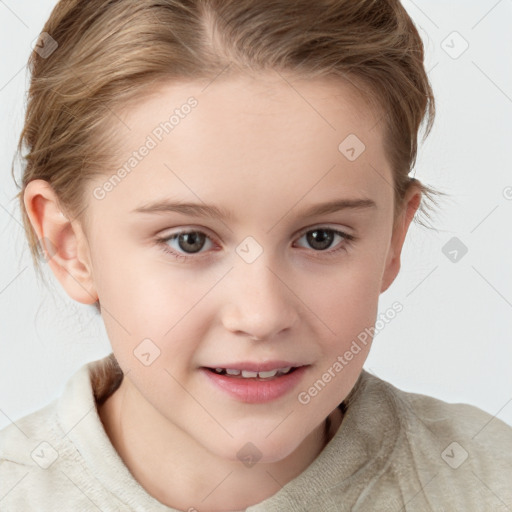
pixel 149 308
pixel 348 297
pixel 349 308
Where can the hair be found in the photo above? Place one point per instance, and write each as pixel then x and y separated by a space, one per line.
pixel 113 53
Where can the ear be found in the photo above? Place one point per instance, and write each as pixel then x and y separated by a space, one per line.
pixel 412 200
pixel 64 243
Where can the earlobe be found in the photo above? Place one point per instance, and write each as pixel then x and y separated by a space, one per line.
pixel 62 242
pixel 411 203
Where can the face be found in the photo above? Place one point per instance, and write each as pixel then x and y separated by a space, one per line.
pixel 261 278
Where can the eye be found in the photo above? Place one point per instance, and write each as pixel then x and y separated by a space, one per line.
pixel 322 238
pixel 190 242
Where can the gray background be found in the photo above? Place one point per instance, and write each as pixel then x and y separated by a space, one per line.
pixel 451 341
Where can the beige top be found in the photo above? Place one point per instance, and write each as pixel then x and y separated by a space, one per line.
pixel 394 451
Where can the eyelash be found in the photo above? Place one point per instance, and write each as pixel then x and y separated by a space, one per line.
pixel 163 242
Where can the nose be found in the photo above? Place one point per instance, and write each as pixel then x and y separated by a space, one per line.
pixel 260 303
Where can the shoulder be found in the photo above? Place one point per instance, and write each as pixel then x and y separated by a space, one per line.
pixel 38 458
pixel 20 439
pixel 453 449
pixel 29 449
pixel 457 420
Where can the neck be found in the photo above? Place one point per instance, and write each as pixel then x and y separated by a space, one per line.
pixel 158 452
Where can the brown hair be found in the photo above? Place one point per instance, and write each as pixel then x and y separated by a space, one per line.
pixel 111 53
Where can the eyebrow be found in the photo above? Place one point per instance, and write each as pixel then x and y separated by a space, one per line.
pixel 212 211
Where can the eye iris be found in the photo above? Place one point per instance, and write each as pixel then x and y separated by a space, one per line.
pixel 195 239
pixel 325 240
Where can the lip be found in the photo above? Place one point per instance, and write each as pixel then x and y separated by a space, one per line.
pixel 253 390
pixel 257 367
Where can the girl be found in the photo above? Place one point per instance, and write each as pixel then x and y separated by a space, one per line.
pixel 276 140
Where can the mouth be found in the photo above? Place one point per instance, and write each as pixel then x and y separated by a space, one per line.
pixel 255 386
pixel 247 374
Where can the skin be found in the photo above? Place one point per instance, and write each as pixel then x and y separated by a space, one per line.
pixel 254 146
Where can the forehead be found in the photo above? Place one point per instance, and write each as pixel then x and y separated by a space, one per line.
pixel 250 138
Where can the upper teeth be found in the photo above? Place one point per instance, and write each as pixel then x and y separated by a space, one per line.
pixel 248 374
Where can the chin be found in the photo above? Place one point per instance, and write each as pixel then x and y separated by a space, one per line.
pixel 252 449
